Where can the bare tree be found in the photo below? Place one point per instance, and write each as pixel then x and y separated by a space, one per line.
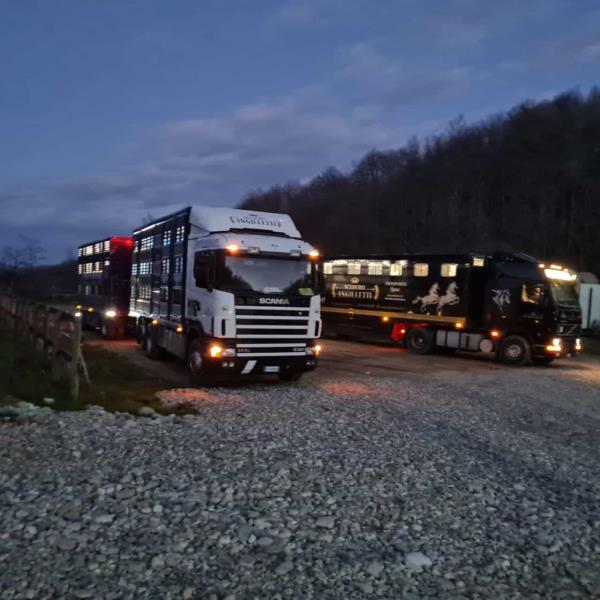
pixel 28 255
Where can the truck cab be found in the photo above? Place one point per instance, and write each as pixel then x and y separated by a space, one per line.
pixel 248 295
pixel 537 302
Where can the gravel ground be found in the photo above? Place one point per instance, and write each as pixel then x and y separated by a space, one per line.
pixel 467 485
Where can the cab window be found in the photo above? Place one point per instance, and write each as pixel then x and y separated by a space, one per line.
pixel 532 293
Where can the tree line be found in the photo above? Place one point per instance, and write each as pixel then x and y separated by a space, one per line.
pixel 526 180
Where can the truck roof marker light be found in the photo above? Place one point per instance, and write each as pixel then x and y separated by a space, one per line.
pixel 385 319
pixel 558 267
pixel 91 309
pixel 559 274
pixel 215 351
pixel 78 307
pixel 494 333
pixel 459 325
pixel 233 248
pixel 314 253
pixel 179 329
pixel 155 322
pixel 542 266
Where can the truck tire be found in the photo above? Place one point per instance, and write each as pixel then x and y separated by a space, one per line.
pixel 419 340
pixel 151 347
pixel 514 350
pixel 196 363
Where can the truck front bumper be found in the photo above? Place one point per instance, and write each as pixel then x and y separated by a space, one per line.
pixel 560 347
pixel 240 365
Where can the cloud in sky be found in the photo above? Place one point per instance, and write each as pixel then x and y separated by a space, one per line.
pixel 219 160
pixel 206 161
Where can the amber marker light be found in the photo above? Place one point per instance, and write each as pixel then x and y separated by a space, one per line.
pixel 459 325
pixel 179 329
pixel 91 309
pixel 155 322
pixel 233 248
pixel 314 253
pixel 494 333
pixel 318 349
pixel 385 319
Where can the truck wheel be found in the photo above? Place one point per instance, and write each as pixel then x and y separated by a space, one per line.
pixel 514 350
pixel 419 340
pixel 153 350
pixel 196 363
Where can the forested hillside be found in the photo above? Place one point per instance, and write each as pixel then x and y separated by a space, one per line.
pixel 528 180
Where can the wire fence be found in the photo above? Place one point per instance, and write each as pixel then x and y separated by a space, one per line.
pixel 52 336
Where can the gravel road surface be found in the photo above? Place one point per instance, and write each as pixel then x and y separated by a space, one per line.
pixel 382 475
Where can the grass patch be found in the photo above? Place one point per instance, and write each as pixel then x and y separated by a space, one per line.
pixel 117 384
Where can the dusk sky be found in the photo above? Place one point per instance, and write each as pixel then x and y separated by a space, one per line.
pixel 112 111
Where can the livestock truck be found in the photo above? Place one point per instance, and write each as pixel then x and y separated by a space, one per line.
pixel 509 304
pixel 230 291
pixel 104 268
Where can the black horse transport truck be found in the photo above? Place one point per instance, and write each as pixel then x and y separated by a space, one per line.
pixel 233 292
pixel 104 268
pixel 509 304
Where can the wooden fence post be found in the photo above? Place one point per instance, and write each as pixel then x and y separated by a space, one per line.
pixel 74 365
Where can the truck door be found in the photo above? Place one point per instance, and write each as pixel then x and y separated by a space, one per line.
pixel 199 289
pixel 502 302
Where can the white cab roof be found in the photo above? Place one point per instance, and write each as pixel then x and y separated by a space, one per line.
pixel 225 219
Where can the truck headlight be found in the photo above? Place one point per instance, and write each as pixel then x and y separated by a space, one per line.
pixel 111 313
pixel 555 345
pixel 215 351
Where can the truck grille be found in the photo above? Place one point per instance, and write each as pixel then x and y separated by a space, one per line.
pixel 271 330
pixel 569 329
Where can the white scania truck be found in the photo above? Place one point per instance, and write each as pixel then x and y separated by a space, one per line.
pixel 233 292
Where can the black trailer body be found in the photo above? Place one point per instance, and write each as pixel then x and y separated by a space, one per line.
pixel 507 303
pixel 104 268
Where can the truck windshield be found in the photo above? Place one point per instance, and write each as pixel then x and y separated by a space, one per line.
pixel 564 292
pixel 266 275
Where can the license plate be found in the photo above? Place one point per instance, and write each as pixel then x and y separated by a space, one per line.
pixel 273 369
